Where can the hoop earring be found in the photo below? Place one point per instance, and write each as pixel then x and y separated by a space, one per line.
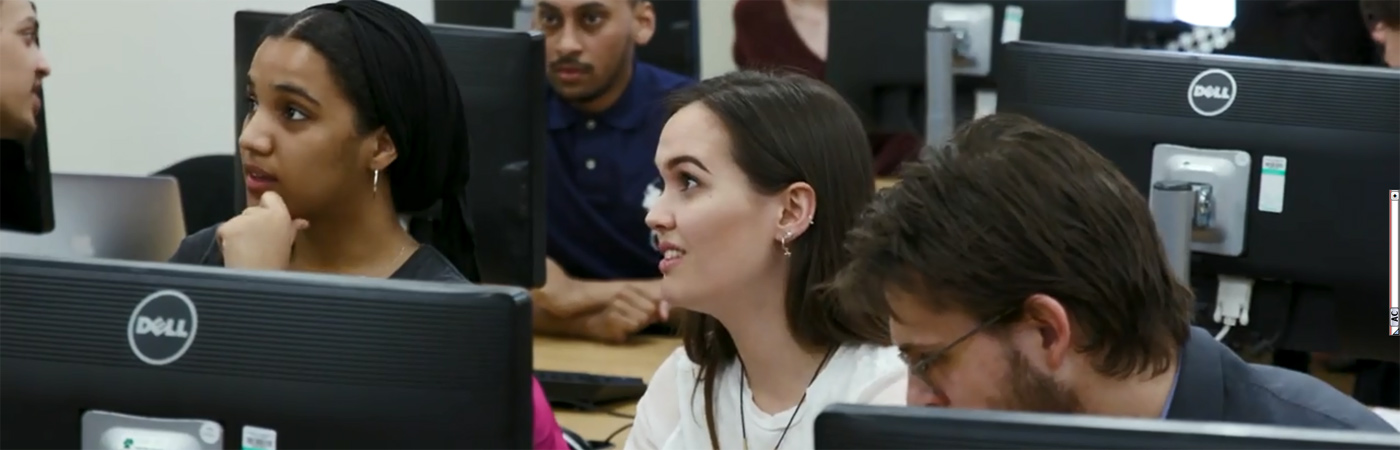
pixel 375 187
pixel 786 237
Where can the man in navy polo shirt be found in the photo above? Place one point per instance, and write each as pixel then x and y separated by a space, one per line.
pixel 606 110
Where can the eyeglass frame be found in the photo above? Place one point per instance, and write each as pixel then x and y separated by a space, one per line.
pixel 920 367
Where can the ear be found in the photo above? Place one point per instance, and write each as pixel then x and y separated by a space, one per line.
pixel 383 151
pixel 644 22
pixel 798 205
pixel 1044 332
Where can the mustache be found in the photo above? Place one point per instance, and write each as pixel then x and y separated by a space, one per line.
pixel 569 62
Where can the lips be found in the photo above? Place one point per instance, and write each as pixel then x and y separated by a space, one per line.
pixel 257 179
pixel 569 73
pixel 671 256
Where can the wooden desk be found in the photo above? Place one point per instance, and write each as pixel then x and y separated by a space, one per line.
pixel 640 358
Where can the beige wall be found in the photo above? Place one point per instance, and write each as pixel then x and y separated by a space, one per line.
pixel 716 37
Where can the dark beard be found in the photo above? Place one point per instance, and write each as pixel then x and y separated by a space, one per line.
pixel 1033 391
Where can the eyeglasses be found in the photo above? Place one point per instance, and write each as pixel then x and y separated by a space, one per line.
pixel 919 368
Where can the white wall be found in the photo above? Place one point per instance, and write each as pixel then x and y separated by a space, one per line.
pixel 141 84
pixel 716 37
pixel 138 85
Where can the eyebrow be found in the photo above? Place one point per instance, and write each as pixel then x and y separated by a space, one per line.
pixel 297 91
pixel 686 159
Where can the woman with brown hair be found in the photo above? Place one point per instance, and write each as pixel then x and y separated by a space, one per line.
pixel 763 175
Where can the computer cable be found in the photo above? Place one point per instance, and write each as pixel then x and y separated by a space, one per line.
pixel 589 407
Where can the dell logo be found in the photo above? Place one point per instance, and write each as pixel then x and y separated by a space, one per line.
pixel 162 327
pixel 1212 92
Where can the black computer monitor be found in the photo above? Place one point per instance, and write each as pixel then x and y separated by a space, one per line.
pixel 324 361
pixel 26 190
pixel 876 54
pixel 1318 243
pixel 500 75
pixel 675 46
pixel 892 427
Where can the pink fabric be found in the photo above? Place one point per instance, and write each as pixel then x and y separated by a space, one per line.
pixel 548 435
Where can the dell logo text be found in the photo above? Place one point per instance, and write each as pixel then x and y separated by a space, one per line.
pixel 1212 92
pixel 161 326
pixel 1215 92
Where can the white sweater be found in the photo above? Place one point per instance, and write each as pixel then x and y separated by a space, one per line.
pixel 671 415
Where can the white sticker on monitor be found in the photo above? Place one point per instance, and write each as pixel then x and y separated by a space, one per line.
pixel 255 438
pixel 1272 174
pixel 1011 24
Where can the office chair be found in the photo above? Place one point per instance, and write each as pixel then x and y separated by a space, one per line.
pixel 206 189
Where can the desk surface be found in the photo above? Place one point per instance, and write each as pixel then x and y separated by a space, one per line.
pixel 636 359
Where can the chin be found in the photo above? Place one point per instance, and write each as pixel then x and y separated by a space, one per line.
pixel 679 293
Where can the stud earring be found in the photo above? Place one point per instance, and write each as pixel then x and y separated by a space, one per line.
pixel 787 236
pixel 376 181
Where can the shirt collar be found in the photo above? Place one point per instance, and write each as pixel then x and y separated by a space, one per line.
pixel 627 113
pixel 1176 376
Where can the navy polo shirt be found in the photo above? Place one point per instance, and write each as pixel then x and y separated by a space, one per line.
pixel 602 179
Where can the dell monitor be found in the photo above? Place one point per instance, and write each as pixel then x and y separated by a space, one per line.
pixel 1299 157
pixel 500 75
pixel 876 52
pixel 892 427
pixel 26 193
pixel 100 353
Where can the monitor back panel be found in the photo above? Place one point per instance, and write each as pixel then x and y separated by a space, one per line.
pixel 327 361
pixel 885 427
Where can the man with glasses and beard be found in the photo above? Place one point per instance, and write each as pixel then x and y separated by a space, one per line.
pixel 1020 270
pixel 606 110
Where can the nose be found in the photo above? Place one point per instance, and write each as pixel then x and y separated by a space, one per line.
pixel 920 394
pixel 42 69
pixel 255 137
pixel 659 219
pixel 568 43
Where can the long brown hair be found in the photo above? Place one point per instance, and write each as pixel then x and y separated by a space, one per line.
pixel 787 128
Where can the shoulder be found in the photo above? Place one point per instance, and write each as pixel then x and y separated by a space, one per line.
pixel 753 10
pixel 1287 397
pixel 663 81
pixel 661 409
pixel 200 248
pixel 677 371
pixel 876 374
pixel 428 264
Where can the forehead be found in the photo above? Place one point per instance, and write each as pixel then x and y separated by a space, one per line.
pixel 14 11
pixel 693 131
pixel 912 322
pixel 280 60
pixel 569 5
